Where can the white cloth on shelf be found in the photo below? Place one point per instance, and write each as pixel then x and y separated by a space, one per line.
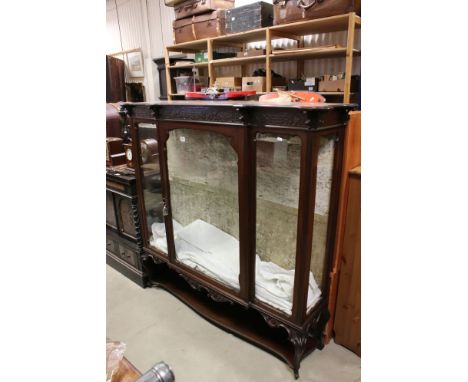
pixel 212 251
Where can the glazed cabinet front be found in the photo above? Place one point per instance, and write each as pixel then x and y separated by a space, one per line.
pixel 204 198
pixel 149 176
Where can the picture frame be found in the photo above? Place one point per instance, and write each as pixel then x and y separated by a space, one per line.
pixel 135 64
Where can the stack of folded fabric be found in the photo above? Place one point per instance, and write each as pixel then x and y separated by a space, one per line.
pixel 215 253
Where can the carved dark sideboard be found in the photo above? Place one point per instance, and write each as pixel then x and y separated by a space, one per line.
pixel 123 232
pixel 239 209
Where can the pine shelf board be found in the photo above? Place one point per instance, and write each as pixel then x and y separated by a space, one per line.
pixel 312 53
pixel 327 24
pixel 238 60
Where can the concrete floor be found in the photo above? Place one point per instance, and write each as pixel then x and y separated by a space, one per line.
pixel 158 327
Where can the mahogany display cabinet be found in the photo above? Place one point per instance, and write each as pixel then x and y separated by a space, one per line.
pixel 239 207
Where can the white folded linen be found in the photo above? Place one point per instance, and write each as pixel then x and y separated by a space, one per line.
pixel 215 253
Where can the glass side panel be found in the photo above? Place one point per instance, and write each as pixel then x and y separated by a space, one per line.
pixel 322 206
pixel 277 178
pixel 203 180
pixel 152 193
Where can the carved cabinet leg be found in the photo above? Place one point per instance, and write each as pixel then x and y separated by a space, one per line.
pixel 299 341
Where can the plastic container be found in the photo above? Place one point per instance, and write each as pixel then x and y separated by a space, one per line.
pixel 186 84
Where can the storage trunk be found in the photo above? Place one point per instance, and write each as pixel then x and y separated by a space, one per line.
pixel 209 25
pixel 288 11
pixel 195 7
pixel 248 17
pixel 183 30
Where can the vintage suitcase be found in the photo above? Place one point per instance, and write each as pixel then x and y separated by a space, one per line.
pixel 183 30
pixel 196 7
pixel 201 26
pixel 288 11
pixel 248 17
pixel 173 3
pixel 209 25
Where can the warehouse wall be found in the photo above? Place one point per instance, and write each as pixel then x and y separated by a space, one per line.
pixel 147 24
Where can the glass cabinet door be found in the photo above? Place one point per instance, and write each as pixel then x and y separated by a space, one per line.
pixel 203 181
pixel 278 162
pixel 151 185
pixel 323 188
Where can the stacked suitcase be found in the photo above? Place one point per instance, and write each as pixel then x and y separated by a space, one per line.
pixel 198 19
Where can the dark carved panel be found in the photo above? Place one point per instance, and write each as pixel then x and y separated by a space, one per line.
pixel 126 216
pixel 143 112
pixel 283 117
pixel 110 213
pixel 200 113
pixel 210 293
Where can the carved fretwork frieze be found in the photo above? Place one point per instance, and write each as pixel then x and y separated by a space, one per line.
pixel 200 113
pixel 284 117
pixel 215 296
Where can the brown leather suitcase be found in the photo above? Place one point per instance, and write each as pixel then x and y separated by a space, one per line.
pixel 196 7
pixel 183 30
pixel 209 25
pixel 288 11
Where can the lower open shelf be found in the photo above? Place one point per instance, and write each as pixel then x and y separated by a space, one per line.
pixel 245 323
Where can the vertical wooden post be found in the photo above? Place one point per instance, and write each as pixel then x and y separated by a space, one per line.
pixel 168 74
pixel 211 71
pixel 349 57
pixel 268 60
pixel 300 62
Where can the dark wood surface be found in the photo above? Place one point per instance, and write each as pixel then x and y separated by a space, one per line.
pixel 290 338
pixel 123 229
pixel 348 305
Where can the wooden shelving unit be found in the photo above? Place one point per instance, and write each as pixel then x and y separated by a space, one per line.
pixel 293 31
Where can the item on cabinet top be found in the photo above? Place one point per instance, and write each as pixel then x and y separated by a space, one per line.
pixel 189 84
pixel 251 53
pixel 248 17
pixel 288 11
pixel 219 95
pixel 287 97
pixel 228 82
pixel 209 24
pixel 195 7
pixel 335 85
pixel 115 154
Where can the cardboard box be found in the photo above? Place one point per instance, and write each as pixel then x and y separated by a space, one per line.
pixel 254 83
pixel 331 85
pixel 251 53
pixel 229 82
pixel 259 83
